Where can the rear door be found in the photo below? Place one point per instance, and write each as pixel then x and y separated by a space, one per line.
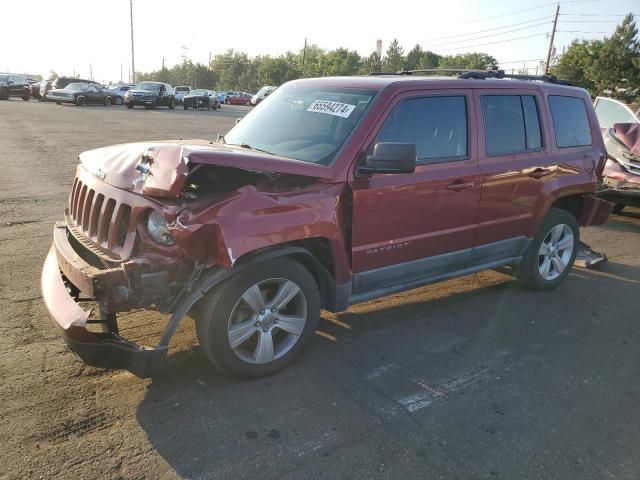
pixel 516 163
pixel 408 227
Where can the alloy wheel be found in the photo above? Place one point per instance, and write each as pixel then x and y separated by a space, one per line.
pixel 555 251
pixel 267 321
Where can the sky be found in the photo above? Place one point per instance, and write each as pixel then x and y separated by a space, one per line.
pixel 88 36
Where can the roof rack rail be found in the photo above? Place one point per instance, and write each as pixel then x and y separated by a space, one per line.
pixel 465 73
pixel 424 70
pixel 500 74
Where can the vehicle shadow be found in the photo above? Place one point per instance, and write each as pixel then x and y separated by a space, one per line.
pixel 340 404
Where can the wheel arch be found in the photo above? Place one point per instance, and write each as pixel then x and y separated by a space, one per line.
pixel 305 252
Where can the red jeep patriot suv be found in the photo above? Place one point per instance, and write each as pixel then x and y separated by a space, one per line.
pixel 332 191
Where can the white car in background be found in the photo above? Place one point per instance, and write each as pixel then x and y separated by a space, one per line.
pixel 180 92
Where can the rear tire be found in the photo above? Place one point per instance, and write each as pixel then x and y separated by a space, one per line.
pixel 119 101
pixel 263 344
pixel 26 96
pixel 107 101
pixel 544 267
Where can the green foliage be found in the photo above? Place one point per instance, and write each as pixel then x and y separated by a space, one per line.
pixel 609 67
pixel 394 59
pixel 471 61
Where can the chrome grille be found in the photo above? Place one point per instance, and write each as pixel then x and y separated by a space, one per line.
pixel 100 219
pixel 630 162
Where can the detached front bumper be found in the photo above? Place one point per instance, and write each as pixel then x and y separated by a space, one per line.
pixel 103 350
pixel 620 191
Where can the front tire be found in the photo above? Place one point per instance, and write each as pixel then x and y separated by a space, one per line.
pixel 258 321
pixel 107 101
pixel 172 104
pixel 551 253
pixel 26 96
pixel 81 101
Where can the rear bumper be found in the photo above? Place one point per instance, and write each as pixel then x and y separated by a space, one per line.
pixel 103 350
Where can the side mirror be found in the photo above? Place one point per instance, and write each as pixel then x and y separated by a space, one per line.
pixel 389 157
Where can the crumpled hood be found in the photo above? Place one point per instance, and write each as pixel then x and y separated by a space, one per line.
pixel 160 168
pixel 629 135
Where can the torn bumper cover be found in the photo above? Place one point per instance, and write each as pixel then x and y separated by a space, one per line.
pixel 103 350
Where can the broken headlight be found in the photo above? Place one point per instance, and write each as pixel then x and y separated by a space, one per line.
pixel 158 228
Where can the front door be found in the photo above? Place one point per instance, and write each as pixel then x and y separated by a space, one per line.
pixel 409 227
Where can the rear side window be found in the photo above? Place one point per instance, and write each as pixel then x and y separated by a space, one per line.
pixel 570 121
pixel 436 125
pixel 511 124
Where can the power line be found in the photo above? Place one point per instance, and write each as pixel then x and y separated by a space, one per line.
pixel 580 31
pixel 587 21
pixel 528 10
pixel 508 14
pixel 522 61
pixel 489 29
pixel 490 35
pixel 595 15
pixel 494 43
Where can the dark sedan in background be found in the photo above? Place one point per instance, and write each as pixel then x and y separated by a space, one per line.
pixel 79 94
pixel 200 98
pixel 14 86
pixel 60 83
pixel 151 95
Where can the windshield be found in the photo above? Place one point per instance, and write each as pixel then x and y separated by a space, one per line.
pixel 611 111
pixel 150 87
pixel 303 123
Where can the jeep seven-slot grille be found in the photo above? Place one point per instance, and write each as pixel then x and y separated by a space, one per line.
pixel 100 219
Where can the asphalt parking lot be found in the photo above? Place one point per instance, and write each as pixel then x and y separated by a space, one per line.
pixel 475 378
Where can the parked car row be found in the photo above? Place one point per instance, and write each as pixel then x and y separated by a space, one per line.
pixel 14 86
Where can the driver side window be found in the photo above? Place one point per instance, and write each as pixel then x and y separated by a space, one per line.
pixel 436 125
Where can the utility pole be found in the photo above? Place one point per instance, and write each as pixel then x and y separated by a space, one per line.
pixel 120 72
pixel 133 62
pixel 553 34
pixel 90 72
pixel 304 54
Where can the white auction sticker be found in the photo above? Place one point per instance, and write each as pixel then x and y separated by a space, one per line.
pixel 331 108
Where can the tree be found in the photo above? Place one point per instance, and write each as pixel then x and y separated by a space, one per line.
pixel 372 63
pixel 577 62
pixel 341 62
pixel 470 61
pixel 616 70
pixel 394 58
pixel 414 58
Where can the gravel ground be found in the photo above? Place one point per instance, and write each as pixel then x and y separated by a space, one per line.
pixel 475 378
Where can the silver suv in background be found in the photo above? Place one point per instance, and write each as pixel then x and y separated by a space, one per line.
pixel 180 92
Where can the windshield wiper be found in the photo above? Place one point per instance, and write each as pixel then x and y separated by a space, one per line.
pixel 249 147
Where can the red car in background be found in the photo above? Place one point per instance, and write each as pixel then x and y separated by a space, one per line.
pixel 238 98
pixel 621 131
